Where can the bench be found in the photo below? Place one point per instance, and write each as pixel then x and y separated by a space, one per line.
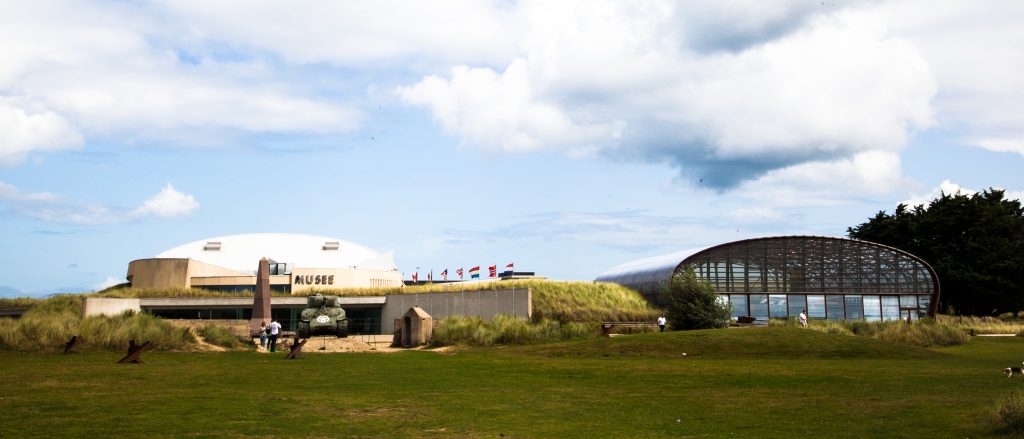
pixel 606 327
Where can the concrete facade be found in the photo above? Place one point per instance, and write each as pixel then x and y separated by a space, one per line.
pixel 103 306
pixel 483 303
pixel 486 304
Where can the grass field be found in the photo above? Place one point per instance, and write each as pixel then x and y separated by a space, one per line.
pixel 744 383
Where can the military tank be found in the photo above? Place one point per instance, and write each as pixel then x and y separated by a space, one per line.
pixel 322 316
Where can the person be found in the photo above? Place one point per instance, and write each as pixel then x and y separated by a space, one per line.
pixel 803 318
pixel 275 330
pixel 661 323
pixel 263 335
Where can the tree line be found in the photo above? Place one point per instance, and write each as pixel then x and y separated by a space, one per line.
pixel 975 243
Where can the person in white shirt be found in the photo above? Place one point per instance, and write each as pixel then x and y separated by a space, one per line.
pixel 661 323
pixel 803 319
pixel 275 330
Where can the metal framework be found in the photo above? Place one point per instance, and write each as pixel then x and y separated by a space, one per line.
pixel 852 276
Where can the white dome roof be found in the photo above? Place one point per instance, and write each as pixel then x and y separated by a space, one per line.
pixel 243 252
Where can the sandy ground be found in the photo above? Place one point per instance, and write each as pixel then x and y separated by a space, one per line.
pixel 355 343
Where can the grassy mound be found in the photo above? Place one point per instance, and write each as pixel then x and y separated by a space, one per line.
pixel 924 333
pixel 740 343
pixel 504 329
pixel 50 323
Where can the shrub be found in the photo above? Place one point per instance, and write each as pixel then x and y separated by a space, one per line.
pixel 505 330
pixel 1011 410
pixel 220 336
pixel 693 304
pixel 52 322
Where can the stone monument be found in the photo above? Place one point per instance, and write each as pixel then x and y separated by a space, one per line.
pixel 261 298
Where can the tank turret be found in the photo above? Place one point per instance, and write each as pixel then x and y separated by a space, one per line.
pixel 323 315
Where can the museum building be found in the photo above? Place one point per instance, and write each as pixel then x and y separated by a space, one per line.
pixel 778 277
pixel 297 262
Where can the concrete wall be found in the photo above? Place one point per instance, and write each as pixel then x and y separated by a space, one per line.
pixel 158 273
pixel 95 306
pixel 343 278
pixel 486 304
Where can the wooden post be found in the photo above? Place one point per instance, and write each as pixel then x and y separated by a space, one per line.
pixel 296 348
pixel 70 344
pixel 134 351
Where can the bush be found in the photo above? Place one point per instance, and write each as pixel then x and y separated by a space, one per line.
pixel 1011 410
pixel 693 304
pixel 220 336
pixel 52 322
pixel 506 330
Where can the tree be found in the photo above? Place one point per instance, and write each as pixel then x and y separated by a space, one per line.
pixel 693 304
pixel 974 243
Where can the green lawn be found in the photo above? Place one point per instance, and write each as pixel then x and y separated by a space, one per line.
pixel 744 383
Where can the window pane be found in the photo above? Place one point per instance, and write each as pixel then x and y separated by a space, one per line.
pixel 908 301
pixel 777 305
pixel 739 305
pixel 890 307
pixel 924 302
pixel 759 306
pixel 854 308
pixel 834 307
pixel 816 307
pixel 872 308
pixel 797 303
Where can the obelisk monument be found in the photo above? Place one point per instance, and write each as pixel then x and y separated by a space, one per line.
pixel 261 298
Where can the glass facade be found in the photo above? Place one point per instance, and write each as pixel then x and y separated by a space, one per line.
pixel 777 277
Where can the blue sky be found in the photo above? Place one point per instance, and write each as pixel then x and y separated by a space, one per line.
pixel 565 137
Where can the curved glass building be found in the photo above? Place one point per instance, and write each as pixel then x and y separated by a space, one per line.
pixel 777 277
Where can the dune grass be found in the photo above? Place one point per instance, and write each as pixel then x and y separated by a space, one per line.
pixel 18 302
pixel 924 332
pixel 745 382
pixel 506 330
pixel 51 322
pixel 222 336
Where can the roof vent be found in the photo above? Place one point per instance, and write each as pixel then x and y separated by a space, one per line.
pixel 212 246
pixel 331 245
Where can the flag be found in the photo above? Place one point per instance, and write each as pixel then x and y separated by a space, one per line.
pixel 509 268
pixel 416 277
pixel 459 271
pixel 474 273
pixel 430 276
pixel 494 270
pixel 444 274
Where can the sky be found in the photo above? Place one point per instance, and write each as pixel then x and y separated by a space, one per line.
pixel 564 137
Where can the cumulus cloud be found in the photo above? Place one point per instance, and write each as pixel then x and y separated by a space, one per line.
pixel 950 188
pixel 973 50
pixel 107 283
pixel 22 132
pixel 70 72
pixel 47 207
pixel 612 81
pixel 168 203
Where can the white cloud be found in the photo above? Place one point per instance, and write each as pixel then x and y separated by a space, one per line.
pixel 950 188
pixel 168 203
pixel 755 215
pixel 9 192
pixel 22 132
pixel 607 77
pixel 122 72
pixel 1002 145
pixel 973 50
pixel 107 283
pixel 870 173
